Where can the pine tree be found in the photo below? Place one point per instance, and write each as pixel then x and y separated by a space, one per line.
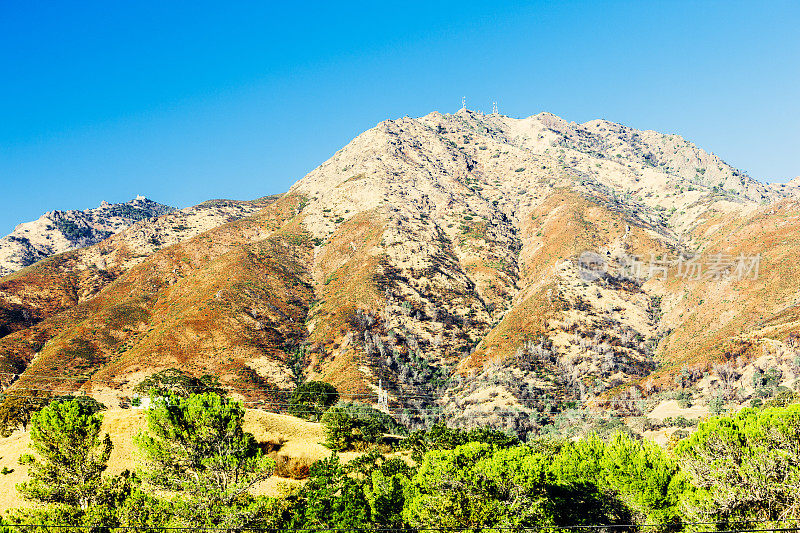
pixel 197 448
pixel 71 456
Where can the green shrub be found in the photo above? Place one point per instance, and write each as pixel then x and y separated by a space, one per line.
pixel 783 397
pixel 716 405
pixel 71 231
pixel 678 421
pixel 684 399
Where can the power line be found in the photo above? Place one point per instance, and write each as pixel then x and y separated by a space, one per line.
pixel 340 395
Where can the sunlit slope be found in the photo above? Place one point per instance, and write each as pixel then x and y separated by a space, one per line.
pixel 62 281
pixel 215 303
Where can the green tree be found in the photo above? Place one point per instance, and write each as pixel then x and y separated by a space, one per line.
pixel 18 408
pixel 450 490
pixel 441 437
pixel 296 360
pixel 177 382
pixel 196 447
pixel 637 473
pixel 646 480
pixel 92 404
pixel 478 485
pixel 70 456
pixel 144 512
pixel 311 399
pixel 331 499
pixel 383 482
pixel 347 424
pixel 113 496
pixel 746 465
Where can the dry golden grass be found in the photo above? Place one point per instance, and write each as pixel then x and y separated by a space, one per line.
pixel 292 467
pixel 11 448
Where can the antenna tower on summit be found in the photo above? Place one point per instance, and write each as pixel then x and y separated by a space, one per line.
pixel 494 108
pixel 463 102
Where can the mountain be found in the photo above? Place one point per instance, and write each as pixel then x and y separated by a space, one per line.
pixel 479 268
pixel 62 281
pixel 60 231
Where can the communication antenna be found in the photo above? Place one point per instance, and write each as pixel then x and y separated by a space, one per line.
pixel 463 102
pixel 494 108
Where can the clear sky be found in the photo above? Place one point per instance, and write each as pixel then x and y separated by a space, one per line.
pixel 186 101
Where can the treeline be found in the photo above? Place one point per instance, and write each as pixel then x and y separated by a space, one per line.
pixel 200 467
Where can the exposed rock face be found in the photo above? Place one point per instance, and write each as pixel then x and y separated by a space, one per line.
pixel 60 231
pixel 442 256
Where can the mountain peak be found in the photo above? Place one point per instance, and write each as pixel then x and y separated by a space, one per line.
pixel 59 231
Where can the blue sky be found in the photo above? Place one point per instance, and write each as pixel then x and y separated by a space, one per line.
pixel 186 101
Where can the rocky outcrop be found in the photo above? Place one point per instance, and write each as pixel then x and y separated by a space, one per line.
pixel 61 231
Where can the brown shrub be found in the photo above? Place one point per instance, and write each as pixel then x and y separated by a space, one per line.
pixel 292 467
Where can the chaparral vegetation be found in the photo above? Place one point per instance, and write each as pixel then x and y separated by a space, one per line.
pixel 199 466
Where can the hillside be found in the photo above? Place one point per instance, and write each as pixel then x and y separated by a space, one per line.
pixel 443 257
pixel 64 280
pixel 60 231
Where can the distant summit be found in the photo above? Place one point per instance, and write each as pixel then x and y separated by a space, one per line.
pixel 60 231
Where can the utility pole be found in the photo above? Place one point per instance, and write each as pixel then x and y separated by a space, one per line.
pixel 383 398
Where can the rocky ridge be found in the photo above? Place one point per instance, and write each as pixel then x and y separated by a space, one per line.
pixel 60 231
pixel 64 280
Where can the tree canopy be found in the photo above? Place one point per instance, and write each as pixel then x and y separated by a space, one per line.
pixel 17 408
pixel 348 424
pixel 70 455
pixel 201 465
pixel 196 447
pixel 311 399
pixel 177 382
pixel 746 466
